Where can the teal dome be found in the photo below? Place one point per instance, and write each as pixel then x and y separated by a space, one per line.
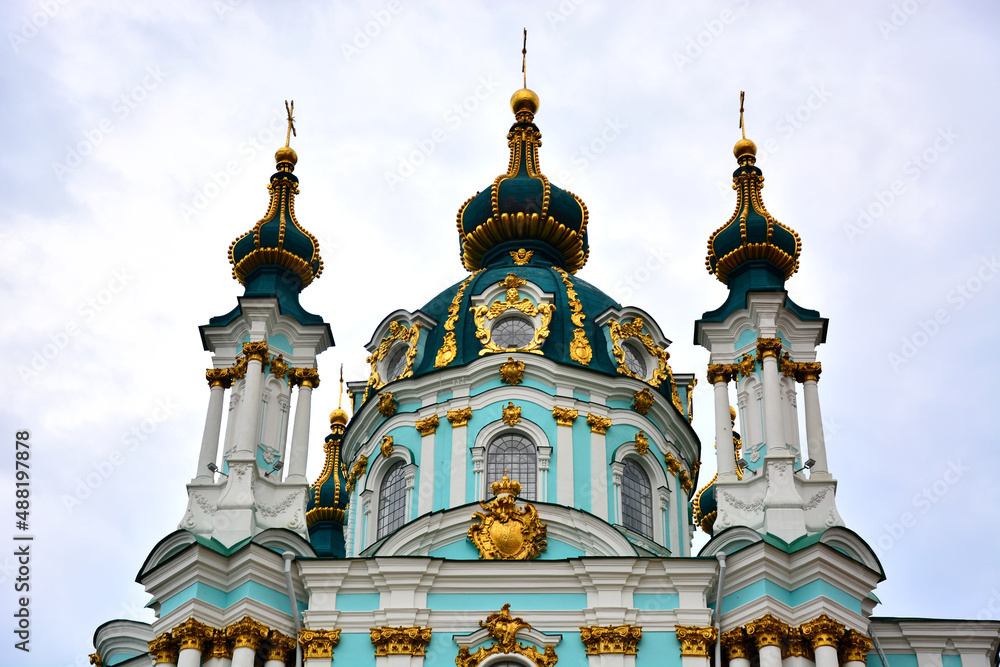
pixel 328 497
pixel 521 205
pixel 751 237
pixel 278 240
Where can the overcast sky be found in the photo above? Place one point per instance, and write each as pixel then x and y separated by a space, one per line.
pixel 137 140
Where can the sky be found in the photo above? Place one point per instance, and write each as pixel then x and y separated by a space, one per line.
pixel 137 140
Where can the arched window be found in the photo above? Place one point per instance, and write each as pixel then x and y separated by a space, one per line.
pixel 513 455
pixel 392 501
pixel 397 363
pixel 634 360
pixel 512 332
pixel 637 499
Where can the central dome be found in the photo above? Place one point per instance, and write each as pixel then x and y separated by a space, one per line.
pixel 521 209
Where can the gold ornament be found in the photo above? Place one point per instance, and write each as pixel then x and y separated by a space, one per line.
pixel 449 348
pixel 736 644
pixel 579 347
pixel 696 641
pixel 459 417
pixel 304 377
pixel 397 332
pixel 685 481
pixel 511 413
pixel 281 648
pixel 192 634
pixel 690 399
pixel 823 631
pixel 807 371
pixel 247 633
pixel 256 351
pixel 387 404
pixel 768 347
pixel 505 532
pixel 641 442
pixel 239 368
pixel 512 372
pixel 318 644
pixel 598 424
pixel 164 649
pixel 854 647
pixel 279 367
pixel 521 256
pixel 386 447
pixel 604 640
pixel 620 332
pixel 219 377
pixel 427 425
pixel 95 659
pixel 221 646
pixel 767 631
pixel 401 640
pixel 642 401
pixel 565 416
pixel 512 301
pixel 746 365
pixel 796 646
pixel 673 465
pixel 359 469
pixel 503 628
pixel 722 373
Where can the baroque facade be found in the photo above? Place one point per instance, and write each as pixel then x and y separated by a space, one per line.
pixel 518 484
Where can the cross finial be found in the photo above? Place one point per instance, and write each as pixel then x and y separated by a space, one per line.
pixel 524 58
pixel 291 122
pixel 742 93
pixel 340 396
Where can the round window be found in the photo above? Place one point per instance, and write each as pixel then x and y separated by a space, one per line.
pixel 634 360
pixel 512 332
pixel 397 363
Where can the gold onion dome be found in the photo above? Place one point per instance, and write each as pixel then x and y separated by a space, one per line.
pixel 521 209
pixel 751 238
pixel 278 242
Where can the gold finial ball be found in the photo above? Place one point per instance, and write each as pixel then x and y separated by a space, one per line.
pixel 744 147
pixel 732 414
pixel 286 154
pixel 524 100
pixel 338 416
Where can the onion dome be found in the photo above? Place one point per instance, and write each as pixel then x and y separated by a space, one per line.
pixel 751 238
pixel 278 241
pixel 521 209
pixel 328 498
pixel 705 505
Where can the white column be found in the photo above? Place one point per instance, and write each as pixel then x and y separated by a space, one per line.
pixel 617 472
pixel 319 662
pixel 249 423
pixel 564 465
pixel 271 663
pixel 826 656
pixel 459 464
pixel 243 656
pixel 739 662
pixel 213 427
pixel 300 429
pixel 189 657
pixel 724 452
pixel 425 492
pixel 814 426
pixel 598 475
pixel 773 432
pixel 770 656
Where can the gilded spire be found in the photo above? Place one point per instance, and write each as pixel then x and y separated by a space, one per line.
pixel 744 150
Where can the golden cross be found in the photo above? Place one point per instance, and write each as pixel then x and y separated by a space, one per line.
pixel 340 397
pixel 524 58
pixel 291 122
pixel 741 115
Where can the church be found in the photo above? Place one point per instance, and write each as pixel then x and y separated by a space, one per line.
pixel 517 481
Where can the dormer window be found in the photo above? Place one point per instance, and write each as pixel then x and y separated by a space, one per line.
pixel 635 360
pixel 397 363
pixel 512 332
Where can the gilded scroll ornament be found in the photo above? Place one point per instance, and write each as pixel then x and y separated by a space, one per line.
pixel 854 647
pixel 303 377
pixel 767 631
pixel 736 644
pixel 398 331
pixel 318 644
pixel 823 631
pixel 641 442
pixel 401 641
pixel 611 639
pixel 459 417
pixel 685 481
pixel 192 634
pixel 449 348
pixel 164 648
pixel 521 256
pixel 504 628
pixel 745 365
pixel 359 469
pixel 279 367
pixel 565 416
pixel 239 368
pixel 428 425
pixel 512 301
pixel 256 351
pixel 247 633
pixel 386 446
pixel 620 332
pixel 768 347
pixel 219 377
pixel 598 424
pixel 512 372
pixel 696 641
pixel 673 465
pixel 579 347
pixel 387 404
pixel 643 400
pixel 511 413
pixel 505 532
